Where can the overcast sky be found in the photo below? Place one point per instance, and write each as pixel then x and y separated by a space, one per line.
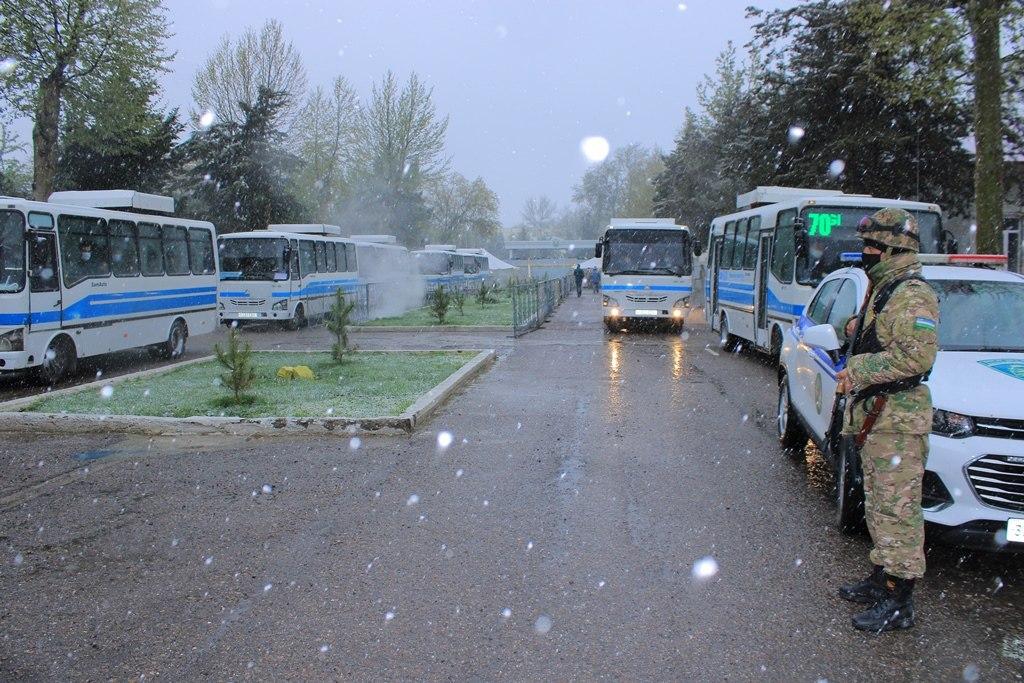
pixel 522 81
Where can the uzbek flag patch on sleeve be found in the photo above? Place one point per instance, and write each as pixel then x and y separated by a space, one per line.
pixel 924 324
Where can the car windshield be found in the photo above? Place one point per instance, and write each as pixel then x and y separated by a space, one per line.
pixel 646 252
pixel 980 315
pixel 832 231
pixel 251 258
pixel 433 263
pixel 12 252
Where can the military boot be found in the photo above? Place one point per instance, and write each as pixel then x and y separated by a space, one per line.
pixel 893 612
pixel 868 591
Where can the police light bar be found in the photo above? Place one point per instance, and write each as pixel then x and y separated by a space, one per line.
pixel 991 260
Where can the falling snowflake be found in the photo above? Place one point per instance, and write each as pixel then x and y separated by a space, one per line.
pixel 458 473
pixel 506 613
pixel 413 499
pixel 354 443
pixel 595 148
pixel 795 134
pixel 705 568
pixel 18 559
pixel 206 119
pixel 543 624
pixel 267 587
pixel 836 168
pixel 208 561
pixel 444 440
pixel 388 616
pixel 267 488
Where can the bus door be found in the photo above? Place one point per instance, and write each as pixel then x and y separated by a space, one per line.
pixel 44 301
pixel 713 272
pixel 761 283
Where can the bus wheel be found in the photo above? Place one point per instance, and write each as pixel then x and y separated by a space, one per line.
pixel 174 347
pixel 298 320
pixel 726 340
pixel 59 361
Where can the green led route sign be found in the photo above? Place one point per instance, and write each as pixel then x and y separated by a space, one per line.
pixel 821 224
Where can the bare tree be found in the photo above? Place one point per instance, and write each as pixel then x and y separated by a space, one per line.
pixel 64 48
pixel 538 216
pixel 462 212
pixel 323 136
pixel 237 70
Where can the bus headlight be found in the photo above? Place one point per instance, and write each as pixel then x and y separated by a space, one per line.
pixel 13 340
pixel 280 305
pixel 608 301
pixel 614 312
pixel 681 303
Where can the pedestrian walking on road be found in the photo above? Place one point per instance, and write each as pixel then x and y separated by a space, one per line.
pixel 577 273
pixel 595 279
pixel 889 414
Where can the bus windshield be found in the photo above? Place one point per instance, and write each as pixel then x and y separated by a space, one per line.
pixel 12 252
pixel 980 316
pixel 647 252
pixel 432 263
pixel 832 230
pixel 253 258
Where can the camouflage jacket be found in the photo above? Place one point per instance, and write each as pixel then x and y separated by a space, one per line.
pixel 907 329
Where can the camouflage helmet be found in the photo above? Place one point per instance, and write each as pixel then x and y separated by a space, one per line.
pixel 891 228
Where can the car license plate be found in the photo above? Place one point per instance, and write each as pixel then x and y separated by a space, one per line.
pixel 248 314
pixel 1015 530
pixel 646 311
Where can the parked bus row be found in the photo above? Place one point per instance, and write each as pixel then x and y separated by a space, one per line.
pixel 89 273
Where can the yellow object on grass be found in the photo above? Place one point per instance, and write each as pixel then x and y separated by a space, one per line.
pixel 295 372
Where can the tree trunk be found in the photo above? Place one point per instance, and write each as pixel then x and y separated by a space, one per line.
pixel 45 137
pixel 984 17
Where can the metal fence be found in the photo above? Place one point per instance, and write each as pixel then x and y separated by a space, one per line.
pixel 533 301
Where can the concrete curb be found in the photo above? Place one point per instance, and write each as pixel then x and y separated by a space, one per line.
pixel 11 420
pixel 431 328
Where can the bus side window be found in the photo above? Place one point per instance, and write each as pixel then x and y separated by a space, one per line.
pixel 753 238
pixel 124 250
pixel 293 263
pixel 740 242
pixel 307 258
pixel 784 249
pixel 42 261
pixel 350 258
pixel 339 248
pixel 150 250
pixel 84 248
pixel 321 257
pixel 200 251
pixel 727 244
pixel 175 241
pixel 332 261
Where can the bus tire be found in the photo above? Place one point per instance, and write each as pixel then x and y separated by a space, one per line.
pixel 791 433
pixel 775 346
pixel 298 320
pixel 726 339
pixel 59 360
pixel 177 338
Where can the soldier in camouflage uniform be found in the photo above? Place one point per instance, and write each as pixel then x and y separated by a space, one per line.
pixel 894 352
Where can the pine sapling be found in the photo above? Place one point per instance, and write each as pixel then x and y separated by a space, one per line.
pixel 237 360
pixel 440 302
pixel 459 300
pixel 337 322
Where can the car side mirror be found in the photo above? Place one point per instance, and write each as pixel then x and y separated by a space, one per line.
pixel 597 250
pixel 822 337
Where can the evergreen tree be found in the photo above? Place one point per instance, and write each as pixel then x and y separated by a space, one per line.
pixel 338 320
pixel 239 175
pixel 236 358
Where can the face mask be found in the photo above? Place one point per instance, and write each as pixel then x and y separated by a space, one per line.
pixel 86 255
pixel 869 261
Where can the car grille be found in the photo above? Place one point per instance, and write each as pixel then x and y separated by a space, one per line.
pixel 999 428
pixel 248 302
pixel 999 481
pixel 646 299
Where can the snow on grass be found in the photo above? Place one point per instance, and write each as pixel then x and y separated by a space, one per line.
pixel 369 384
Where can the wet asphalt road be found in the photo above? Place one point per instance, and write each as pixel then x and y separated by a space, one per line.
pixel 587 476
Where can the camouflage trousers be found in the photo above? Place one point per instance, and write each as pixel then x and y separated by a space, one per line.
pixel 893 465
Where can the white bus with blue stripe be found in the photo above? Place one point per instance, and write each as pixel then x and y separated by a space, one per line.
pixel 79 279
pixel 286 274
pixel 442 265
pixel 764 261
pixel 646 272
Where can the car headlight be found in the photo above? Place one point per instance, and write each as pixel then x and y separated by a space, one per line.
pixel 608 301
pixel 681 303
pixel 280 305
pixel 13 340
pixel 953 425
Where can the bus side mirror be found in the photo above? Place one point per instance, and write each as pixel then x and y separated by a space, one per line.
pixel 697 249
pixel 597 250
pixel 948 242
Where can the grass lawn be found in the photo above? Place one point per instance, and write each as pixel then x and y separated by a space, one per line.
pixel 368 384
pixel 499 313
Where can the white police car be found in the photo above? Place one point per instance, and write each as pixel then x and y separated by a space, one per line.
pixel 973 490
